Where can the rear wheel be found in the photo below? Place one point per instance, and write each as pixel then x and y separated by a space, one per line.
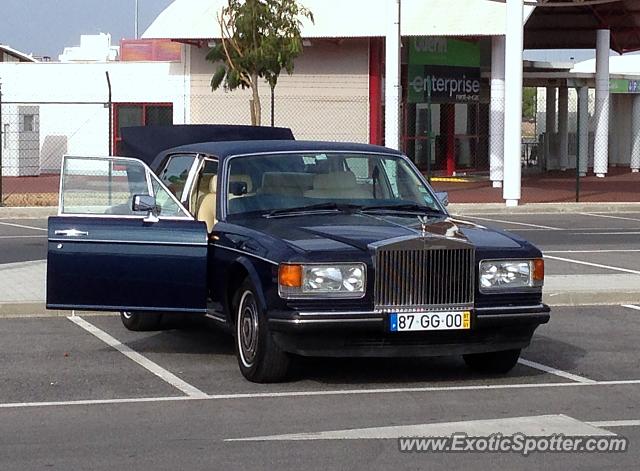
pixel 141 321
pixel 259 358
pixel 493 362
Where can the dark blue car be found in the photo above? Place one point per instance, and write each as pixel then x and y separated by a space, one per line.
pixel 297 248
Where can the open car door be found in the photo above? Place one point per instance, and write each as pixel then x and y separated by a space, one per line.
pixel 123 242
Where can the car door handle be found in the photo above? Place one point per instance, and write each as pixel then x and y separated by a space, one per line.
pixel 71 233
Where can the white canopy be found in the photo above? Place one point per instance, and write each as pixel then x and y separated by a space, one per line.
pixel 196 19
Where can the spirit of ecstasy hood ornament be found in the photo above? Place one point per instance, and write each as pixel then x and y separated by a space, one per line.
pixel 423 222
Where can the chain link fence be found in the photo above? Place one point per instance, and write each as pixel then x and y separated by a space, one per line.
pixel 33 138
pixel 319 118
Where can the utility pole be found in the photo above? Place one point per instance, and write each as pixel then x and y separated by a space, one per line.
pixel 135 26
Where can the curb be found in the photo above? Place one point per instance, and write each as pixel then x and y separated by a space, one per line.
pixel 590 298
pixel 38 309
pixel 541 208
pixel 35 212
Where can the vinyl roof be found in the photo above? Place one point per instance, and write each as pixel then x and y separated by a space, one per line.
pixel 230 148
pixel 196 19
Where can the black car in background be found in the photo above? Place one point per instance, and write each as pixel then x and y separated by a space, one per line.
pixel 297 248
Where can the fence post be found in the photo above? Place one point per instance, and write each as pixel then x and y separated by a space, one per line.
pixel 1 147
pixel 110 104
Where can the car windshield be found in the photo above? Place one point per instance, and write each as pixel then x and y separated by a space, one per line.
pixel 300 182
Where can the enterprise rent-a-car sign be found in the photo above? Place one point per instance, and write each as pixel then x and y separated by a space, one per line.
pixel 450 67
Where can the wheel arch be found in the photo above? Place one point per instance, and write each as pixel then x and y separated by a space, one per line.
pixel 240 269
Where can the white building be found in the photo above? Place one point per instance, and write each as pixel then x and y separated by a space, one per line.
pixel 51 109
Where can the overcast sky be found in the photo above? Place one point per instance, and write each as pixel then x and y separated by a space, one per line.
pixel 45 27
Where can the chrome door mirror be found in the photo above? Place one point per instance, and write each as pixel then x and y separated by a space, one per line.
pixel 146 203
pixel 443 197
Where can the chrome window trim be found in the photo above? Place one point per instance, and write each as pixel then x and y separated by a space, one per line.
pixel 149 174
pixel 129 242
pixel 227 162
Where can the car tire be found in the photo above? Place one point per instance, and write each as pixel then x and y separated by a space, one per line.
pixel 141 321
pixel 493 362
pixel 259 358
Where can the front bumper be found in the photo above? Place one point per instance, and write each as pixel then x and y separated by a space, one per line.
pixel 366 333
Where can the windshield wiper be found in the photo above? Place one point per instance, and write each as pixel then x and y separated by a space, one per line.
pixel 406 207
pixel 332 206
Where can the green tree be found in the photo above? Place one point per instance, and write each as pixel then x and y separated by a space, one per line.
pixel 529 99
pixel 258 39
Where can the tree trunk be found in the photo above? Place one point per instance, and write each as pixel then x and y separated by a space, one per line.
pixel 273 104
pixel 256 109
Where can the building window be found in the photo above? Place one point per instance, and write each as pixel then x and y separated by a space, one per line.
pixel 28 123
pixel 138 114
pixel 5 135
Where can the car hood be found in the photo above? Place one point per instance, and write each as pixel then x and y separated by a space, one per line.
pixel 348 231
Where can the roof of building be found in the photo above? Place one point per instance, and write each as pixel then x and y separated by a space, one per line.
pixel 574 27
pixel 21 56
pixel 197 19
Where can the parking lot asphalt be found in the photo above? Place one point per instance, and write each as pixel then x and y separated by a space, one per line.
pixel 23 240
pixel 88 394
pixel 84 393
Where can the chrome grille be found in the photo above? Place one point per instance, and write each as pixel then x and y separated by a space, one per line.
pixel 424 278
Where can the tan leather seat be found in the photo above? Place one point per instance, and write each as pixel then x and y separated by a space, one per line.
pixel 341 185
pixel 207 208
pixel 285 183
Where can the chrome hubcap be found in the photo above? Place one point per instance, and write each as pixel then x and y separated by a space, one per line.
pixel 248 329
pixel 127 314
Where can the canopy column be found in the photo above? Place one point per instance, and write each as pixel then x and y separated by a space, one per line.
pixel 563 127
pixel 635 135
pixel 513 102
pixel 601 144
pixel 583 123
pixel 496 115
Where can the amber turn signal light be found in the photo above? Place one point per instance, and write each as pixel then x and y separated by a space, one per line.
pixel 290 275
pixel 538 269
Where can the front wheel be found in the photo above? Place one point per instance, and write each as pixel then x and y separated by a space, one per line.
pixel 493 362
pixel 259 358
pixel 141 321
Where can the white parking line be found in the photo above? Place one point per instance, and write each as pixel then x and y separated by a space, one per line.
pixel 592 251
pixel 24 237
pixel 610 217
pixel 631 306
pixel 141 360
pixel 338 392
pixel 555 371
pixel 615 423
pixel 598 265
pixel 22 226
pixel 539 426
pixel 517 223
pixel 608 233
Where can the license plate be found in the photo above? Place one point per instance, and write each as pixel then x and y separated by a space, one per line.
pixel 417 321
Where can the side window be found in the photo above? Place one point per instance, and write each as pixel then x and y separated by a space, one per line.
pixel 174 176
pixel 204 183
pixel 107 186
pixel 101 186
pixel 360 168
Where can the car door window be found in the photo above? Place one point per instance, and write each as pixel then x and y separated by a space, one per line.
pixel 107 186
pixel 175 173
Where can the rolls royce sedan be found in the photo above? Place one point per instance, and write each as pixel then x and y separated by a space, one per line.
pixel 297 248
